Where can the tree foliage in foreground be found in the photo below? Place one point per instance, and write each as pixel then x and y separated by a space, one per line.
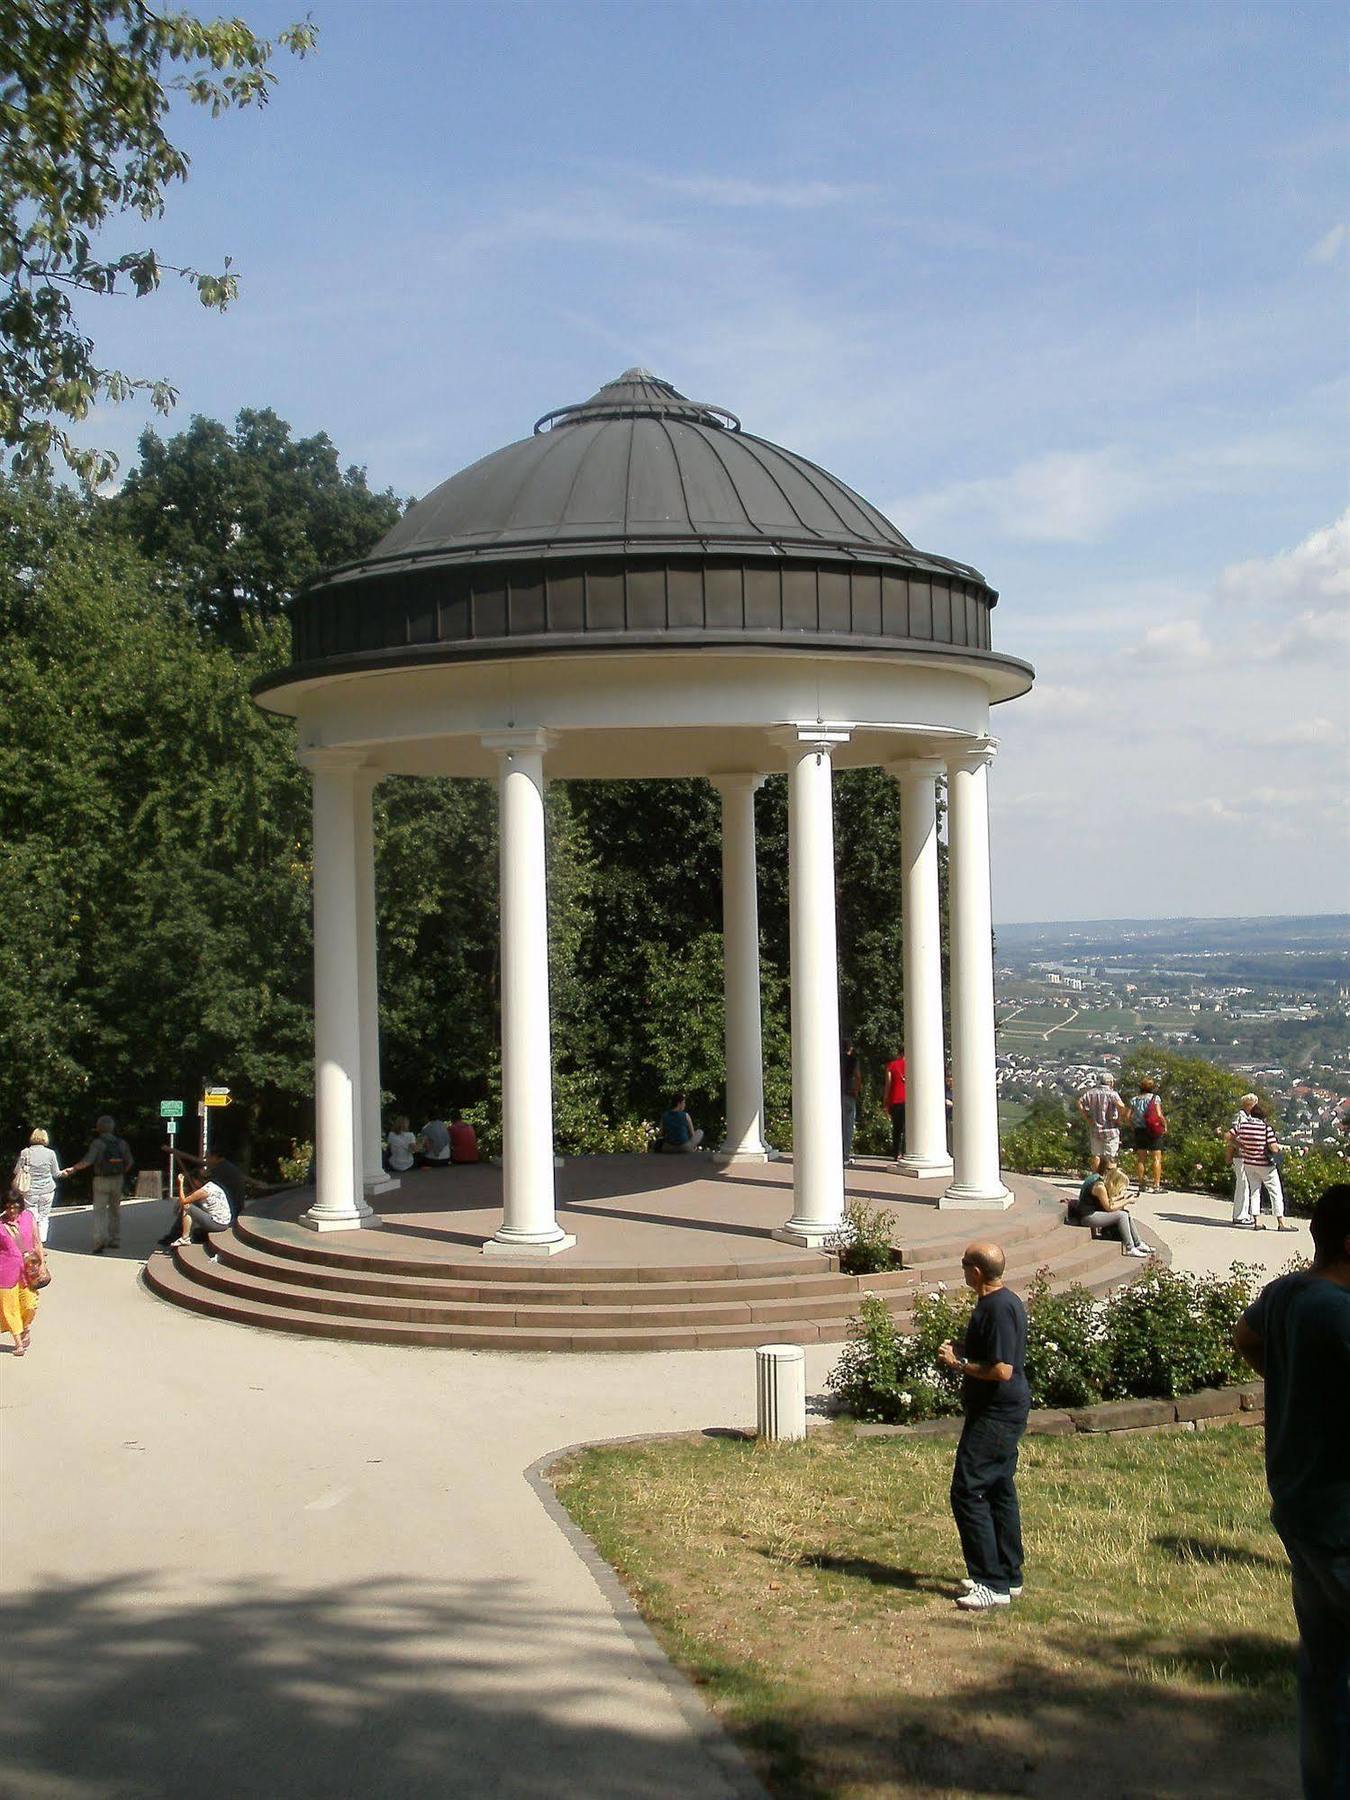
pixel 85 87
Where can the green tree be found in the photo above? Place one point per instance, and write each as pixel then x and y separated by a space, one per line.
pixel 85 87
pixel 156 815
pixel 244 518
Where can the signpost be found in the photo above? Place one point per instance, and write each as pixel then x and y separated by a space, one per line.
pixel 213 1096
pixel 171 1111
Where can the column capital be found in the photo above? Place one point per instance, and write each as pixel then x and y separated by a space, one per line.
pixel 507 744
pixel 821 736
pixel 914 768
pixel 736 781
pixel 321 759
pixel 975 753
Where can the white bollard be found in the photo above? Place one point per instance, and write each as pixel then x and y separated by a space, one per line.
pixel 780 1383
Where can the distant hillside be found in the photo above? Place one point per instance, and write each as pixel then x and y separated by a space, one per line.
pixel 1308 932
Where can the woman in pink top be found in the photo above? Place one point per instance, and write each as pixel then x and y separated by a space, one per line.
pixel 19 1245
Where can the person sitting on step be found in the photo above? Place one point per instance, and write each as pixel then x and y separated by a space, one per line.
pixel 1100 1205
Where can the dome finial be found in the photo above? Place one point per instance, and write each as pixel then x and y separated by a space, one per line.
pixel 637 393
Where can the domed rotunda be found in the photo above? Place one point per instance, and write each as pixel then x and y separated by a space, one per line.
pixel 641 588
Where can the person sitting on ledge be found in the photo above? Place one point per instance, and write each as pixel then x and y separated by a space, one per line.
pixel 463 1140
pixel 1100 1203
pixel 201 1212
pixel 679 1134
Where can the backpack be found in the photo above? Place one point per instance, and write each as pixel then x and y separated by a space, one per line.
pixel 1153 1117
pixel 110 1159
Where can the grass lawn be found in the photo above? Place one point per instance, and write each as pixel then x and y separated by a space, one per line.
pixel 808 1589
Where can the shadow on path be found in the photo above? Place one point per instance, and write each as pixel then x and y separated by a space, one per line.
pixel 376 1689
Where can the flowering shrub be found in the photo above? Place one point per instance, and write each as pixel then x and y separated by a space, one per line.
pixel 864 1240
pixel 1167 1334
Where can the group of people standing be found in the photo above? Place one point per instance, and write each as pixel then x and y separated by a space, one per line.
pixel 895 1091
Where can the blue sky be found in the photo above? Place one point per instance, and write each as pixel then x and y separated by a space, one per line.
pixel 1061 288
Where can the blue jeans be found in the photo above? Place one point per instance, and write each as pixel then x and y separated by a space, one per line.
pixel 849 1107
pixel 1322 1608
pixel 984 1499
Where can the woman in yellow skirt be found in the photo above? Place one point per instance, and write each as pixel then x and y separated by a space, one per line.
pixel 21 1253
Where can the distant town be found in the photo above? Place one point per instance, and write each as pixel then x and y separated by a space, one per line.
pixel 1266 998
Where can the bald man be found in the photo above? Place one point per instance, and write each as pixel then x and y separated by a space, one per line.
pixel 996 1400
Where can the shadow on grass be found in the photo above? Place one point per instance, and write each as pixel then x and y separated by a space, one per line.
pixel 1028 1727
pixel 317 1693
pixel 1210 1551
pixel 861 1568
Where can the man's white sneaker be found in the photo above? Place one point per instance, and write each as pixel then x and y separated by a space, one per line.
pixel 982 1599
pixel 968 1587
pixel 1140 1250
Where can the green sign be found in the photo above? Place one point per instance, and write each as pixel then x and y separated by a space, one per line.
pixel 171 1109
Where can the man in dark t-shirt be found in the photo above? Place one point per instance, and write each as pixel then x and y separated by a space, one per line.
pixel 996 1400
pixel 1297 1334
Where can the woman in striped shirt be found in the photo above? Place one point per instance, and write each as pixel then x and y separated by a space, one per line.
pixel 1254 1141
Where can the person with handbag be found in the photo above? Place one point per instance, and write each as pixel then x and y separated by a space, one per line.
pixel 1100 1205
pixel 35 1176
pixel 23 1269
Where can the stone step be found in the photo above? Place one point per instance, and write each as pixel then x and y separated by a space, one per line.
pixel 175 1282
pixel 538 1308
pixel 282 1239
pixel 269 1299
pixel 238 1253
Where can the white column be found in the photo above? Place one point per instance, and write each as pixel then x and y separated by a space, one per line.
pixel 339 1203
pixel 374 1178
pixel 977 1182
pixel 528 1227
pixel 744 1140
pixel 926 1153
pixel 817 1125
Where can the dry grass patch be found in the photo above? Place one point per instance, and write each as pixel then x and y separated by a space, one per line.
pixel 809 1589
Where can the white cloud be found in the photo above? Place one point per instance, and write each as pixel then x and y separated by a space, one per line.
pixel 1314 575
pixel 1302 733
pixel 1064 497
pixel 1328 248
pixel 734 190
pixel 1179 640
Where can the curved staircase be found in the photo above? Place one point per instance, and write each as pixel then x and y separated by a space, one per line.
pixel 271 1273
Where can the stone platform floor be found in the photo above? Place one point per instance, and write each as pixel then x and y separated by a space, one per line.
pixel 656 1211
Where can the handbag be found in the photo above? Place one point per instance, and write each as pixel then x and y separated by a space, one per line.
pixel 23 1174
pixel 36 1274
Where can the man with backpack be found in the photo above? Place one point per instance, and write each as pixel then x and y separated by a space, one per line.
pixel 109 1156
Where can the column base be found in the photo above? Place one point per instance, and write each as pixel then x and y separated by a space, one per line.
pixel 363 1221
pixel 924 1168
pixel 743 1153
pixel 970 1197
pixel 381 1184
pixel 527 1252
pixel 807 1236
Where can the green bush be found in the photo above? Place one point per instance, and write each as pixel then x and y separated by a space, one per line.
pixel 1048 1140
pixel 864 1242
pixel 1166 1335
pixel 889 1374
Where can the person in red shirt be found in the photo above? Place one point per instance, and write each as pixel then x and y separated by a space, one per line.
pixel 895 1104
pixel 463 1140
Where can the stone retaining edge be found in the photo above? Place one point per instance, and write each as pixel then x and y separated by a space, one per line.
pixel 1242 1404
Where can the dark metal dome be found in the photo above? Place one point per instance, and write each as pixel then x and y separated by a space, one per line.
pixel 640 465
pixel 637 519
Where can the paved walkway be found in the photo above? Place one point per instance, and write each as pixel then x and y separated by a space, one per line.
pixel 242 1563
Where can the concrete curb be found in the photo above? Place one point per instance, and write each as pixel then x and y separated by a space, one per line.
pixel 725 1755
